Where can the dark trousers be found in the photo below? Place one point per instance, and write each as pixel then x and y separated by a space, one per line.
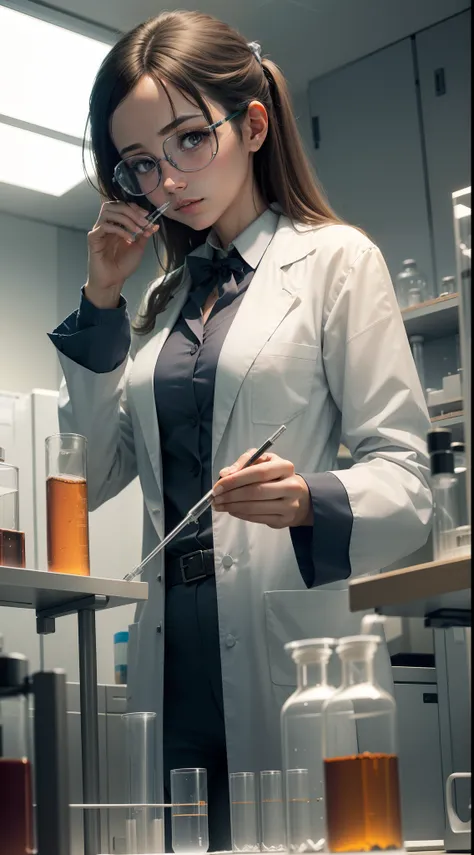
pixel 193 724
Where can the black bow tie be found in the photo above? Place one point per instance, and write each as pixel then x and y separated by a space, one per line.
pixel 213 272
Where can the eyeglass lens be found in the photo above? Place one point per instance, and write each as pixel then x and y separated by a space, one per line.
pixel 188 151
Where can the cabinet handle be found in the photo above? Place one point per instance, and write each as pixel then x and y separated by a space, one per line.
pixel 316 133
pixel 440 82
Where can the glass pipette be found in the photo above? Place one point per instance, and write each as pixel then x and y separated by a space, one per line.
pixel 198 509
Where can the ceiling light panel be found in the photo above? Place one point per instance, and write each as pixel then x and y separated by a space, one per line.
pixel 49 72
pixel 38 162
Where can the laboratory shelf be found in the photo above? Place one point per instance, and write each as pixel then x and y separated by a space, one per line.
pixel 54 595
pixel 64 593
pixel 439 591
pixel 454 421
pixel 433 319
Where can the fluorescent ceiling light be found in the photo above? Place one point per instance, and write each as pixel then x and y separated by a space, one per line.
pixel 39 163
pixel 458 193
pixel 461 211
pixel 47 72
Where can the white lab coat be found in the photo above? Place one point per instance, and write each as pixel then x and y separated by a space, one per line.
pixel 318 344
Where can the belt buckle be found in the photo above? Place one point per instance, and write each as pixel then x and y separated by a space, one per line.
pixel 186 561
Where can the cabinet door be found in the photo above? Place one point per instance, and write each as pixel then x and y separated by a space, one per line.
pixel 369 158
pixel 420 761
pixel 444 61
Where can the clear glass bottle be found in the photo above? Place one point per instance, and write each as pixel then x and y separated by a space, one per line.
pixel 12 540
pixel 16 800
pixel 411 286
pixel 448 286
pixel 362 792
pixel 301 729
pixel 451 534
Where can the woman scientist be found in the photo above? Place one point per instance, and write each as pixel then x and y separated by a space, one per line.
pixel 271 312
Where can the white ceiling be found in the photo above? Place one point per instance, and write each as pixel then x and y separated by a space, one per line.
pixel 324 35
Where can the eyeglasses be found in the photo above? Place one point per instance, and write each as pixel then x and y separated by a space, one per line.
pixel 188 151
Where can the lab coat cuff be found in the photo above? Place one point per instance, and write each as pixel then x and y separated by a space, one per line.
pixel 89 315
pixel 322 550
pixel 93 338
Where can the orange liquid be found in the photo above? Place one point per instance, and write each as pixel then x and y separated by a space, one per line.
pixel 16 808
pixel 68 526
pixel 12 548
pixel 363 803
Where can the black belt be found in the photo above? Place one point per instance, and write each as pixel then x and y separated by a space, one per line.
pixel 189 568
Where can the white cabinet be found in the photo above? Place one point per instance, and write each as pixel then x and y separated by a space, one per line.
pixel 444 67
pixel 370 157
pixel 392 142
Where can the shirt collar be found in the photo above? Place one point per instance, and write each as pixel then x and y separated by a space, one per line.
pixel 253 242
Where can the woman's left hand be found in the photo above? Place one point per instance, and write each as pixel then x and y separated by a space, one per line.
pixel 267 492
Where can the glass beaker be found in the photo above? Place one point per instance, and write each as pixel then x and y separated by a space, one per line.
pixel 144 826
pixel 189 814
pixel 360 756
pixel 243 812
pixel 301 729
pixel 66 504
pixel 16 799
pixel 12 540
pixel 271 811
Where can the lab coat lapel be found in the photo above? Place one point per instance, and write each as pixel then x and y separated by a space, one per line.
pixel 270 296
pixel 143 372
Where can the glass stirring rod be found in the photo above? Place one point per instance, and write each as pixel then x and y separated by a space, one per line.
pixel 195 512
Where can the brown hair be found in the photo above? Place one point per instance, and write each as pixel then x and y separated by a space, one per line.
pixel 204 57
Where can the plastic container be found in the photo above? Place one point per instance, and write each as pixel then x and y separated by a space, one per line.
pixel 362 789
pixel 301 728
pixel 451 534
pixel 16 799
pixel 12 540
pixel 120 657
pixel 66 504
pixel 411 286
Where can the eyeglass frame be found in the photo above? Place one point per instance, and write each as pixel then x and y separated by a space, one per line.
pixel 170 160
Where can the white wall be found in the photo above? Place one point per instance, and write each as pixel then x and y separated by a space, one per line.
pixel 28 303
pixel 42 269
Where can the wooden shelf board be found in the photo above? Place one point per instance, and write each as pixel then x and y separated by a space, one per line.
pixel 420 582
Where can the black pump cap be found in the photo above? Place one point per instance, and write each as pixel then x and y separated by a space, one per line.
pixel 442 463
pixel 13 671
pixel 458 447
pixel 439 440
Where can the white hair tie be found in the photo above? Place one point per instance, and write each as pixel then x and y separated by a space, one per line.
pixel 256 49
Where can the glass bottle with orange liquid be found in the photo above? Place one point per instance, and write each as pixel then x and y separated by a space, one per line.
pixel 66 504
pixel 12 540
pixel 360 757
pixel 16 799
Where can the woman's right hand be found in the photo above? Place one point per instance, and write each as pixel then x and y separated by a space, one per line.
pixel 113 254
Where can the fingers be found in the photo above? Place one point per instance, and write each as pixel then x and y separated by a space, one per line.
pixel 238 463
pixel 271 468
pixel 259 492
pixel 278 506
pixel 123 215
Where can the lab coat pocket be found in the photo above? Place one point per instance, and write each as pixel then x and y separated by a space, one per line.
pixel 282 378
pixel 294 615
